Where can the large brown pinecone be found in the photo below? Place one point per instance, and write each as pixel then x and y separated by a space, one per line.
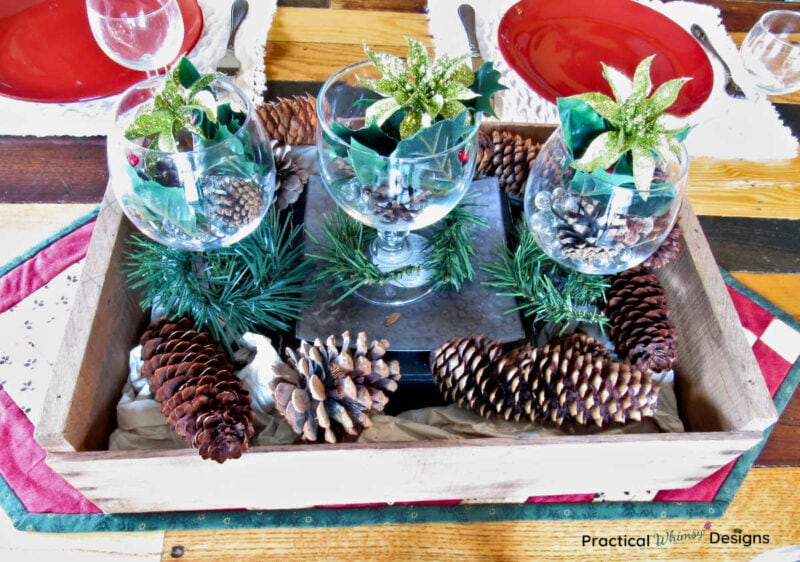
pixel 668 250
pixel 291 176
pixel 327 393
pixel 570 378
pixel 508 157
pixel 291 121
pixel 637 311
pixel 193 380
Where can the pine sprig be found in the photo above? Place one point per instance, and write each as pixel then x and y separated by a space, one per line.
pixel 260 282
pixel 450 248
pixel 546 291
pixel 348 266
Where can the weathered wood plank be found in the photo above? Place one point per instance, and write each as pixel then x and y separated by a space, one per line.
pixel 764 493
pixel 755 245
pixel 376 28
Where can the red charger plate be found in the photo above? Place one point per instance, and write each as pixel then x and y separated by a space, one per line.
pixel 48 53
pixel 557 46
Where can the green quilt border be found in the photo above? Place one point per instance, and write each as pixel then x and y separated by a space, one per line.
pixel 471 513
pixel 28 254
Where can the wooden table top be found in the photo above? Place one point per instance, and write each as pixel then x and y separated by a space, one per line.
pixel 749 212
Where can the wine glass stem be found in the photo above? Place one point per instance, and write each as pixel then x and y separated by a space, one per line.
pixel 391 249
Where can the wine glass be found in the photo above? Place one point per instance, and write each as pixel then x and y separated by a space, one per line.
pixel 771 52
pixel 144 35
pixel 394 195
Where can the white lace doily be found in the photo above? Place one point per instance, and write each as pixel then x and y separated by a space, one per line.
pixel 94 117
pixel 725 127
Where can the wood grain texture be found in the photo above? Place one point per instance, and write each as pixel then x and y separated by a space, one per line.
pixel 764 493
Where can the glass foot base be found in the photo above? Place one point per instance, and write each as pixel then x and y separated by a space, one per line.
pixel 409 287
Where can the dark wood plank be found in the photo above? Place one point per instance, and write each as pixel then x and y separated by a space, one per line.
pixel 758 245
pixel 740 15
pixel 52 169
pixel 416 6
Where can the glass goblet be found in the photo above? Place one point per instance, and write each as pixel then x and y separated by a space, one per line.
pixel 144 35
pixel 206 197
pixel 771 52
pixel 392 194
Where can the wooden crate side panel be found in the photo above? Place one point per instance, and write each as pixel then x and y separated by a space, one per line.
pixel 90 371
pixel 719 382
pixel 475 470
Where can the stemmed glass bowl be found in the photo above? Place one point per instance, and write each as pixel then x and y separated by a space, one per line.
pixel 140 34
pixel 771 52
pixel 392 194
pixel 207 197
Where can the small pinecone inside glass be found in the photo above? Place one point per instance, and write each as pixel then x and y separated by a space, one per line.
pixel 193 380
pixel 637 311
pixel 233 201
pixel 569 379
pixel 327 392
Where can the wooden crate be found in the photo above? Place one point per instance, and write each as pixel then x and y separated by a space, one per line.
pixel 722 397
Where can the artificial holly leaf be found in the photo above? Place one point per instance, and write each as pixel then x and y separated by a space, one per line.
pixel 147 124
pixel 369 166
pixel 435 139
pixel 187 73
pixel 579 123
pixel 486 84
pixel 602 152
pixel 381 110
pixel 165 202
pixel 372 136
pixel 601 103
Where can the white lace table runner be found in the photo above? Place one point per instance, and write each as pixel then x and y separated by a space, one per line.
pixel 725 128
pixel 94 117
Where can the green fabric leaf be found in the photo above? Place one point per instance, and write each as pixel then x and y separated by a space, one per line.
pixel 456 91
pixel 452 108
pixel 202 83
pixel 163 202
pixel 368 165
pixel 579 124
pixel 187 73
pixel 486 84
pixel 417 60
pixel 372 136
pixel 391 66
pixel 462 74
pixel 411 123
pixel 148 124
pixel 439 137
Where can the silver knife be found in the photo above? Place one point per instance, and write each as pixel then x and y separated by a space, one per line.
pixel 467 15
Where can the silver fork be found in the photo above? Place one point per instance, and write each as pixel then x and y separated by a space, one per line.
pixel 731 87
pixel 229 64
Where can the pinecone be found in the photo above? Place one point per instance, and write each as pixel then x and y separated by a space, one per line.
pixel 668 250
pixel 570 378
pixel 233 201
pixel 508 157
pixel 193 380
pixel 581 226
pixel 291 121
pixel 637 310
pixel 327 393
pixel 291 176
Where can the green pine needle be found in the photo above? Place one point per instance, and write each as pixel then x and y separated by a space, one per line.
pixel 546 291
pixel 259 283
pixel 348 267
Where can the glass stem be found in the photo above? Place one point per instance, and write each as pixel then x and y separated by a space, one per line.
pixel 391 249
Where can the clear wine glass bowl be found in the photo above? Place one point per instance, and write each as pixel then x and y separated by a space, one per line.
pixel 594 226
pixel 394 195
pixel 140 34
pixel 208 197
pixel 771 52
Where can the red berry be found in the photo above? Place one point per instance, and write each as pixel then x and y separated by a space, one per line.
pixel 133 160
pixel 463 157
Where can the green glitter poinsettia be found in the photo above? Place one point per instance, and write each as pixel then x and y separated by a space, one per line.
pixel 635 123
pixel 426 88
